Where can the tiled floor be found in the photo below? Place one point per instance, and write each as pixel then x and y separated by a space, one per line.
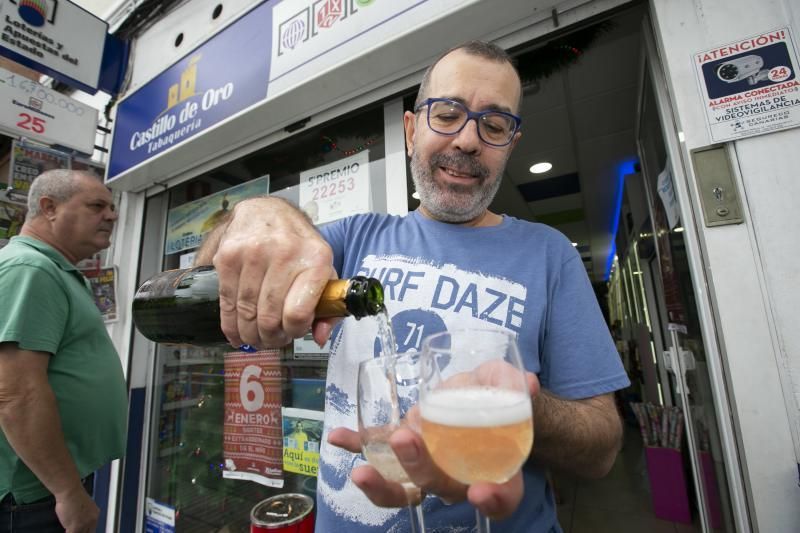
pixel 618 503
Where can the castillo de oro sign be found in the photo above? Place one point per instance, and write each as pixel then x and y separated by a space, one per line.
pixel 218 79
pixel 55 37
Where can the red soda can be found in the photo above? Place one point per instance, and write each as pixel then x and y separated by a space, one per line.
pixel 284 513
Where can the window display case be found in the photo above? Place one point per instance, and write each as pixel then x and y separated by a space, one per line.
pixel 330 171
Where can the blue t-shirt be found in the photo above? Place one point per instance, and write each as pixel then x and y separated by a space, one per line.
pixel 518 276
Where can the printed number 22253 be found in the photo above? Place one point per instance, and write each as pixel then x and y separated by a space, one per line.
pixel 327 190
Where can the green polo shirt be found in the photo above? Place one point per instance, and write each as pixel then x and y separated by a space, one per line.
pixel 47 306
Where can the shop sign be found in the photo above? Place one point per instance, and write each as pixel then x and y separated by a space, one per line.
pixel 33 111
pixel 336 190
pixel 310 35
pixel 187 224
pixel 221 77
pixel 252 432
pixel 27 162
pixel 55 37
pixel 750 86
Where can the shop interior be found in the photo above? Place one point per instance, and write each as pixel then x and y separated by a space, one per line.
pixel 590 111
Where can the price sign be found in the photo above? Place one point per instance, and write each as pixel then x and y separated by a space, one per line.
pixel 336 190
pixel 31 110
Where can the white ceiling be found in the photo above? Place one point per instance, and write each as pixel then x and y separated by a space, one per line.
pixel 581 119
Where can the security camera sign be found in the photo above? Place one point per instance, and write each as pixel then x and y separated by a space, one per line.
pixel 750 87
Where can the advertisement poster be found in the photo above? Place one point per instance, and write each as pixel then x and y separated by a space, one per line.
pixel 252 438
pixel 186 224
pixel 336 190
pixel 302 434
pixel 27 162
pixel 104 288
pixel 750 87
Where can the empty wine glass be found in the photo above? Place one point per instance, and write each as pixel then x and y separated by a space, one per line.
pixel 387 389
pixel 475 406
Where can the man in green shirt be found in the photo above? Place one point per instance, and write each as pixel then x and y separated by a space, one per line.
pixel 63 396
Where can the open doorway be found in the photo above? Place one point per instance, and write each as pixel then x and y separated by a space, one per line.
pixel 591 120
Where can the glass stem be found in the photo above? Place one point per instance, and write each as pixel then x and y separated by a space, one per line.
pixel 483 523
pixel 416 518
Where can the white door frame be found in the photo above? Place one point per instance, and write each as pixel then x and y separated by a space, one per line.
pixel 678 156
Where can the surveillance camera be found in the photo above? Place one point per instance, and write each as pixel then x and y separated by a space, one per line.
pixel 745 67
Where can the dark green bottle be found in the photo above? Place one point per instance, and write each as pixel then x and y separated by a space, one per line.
pixel 182 306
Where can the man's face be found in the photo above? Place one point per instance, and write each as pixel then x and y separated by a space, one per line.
pixel 82 225
pixel 458 175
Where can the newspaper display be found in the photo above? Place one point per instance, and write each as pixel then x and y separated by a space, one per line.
pixel 12 216
pixel 27 162
pixel 104 289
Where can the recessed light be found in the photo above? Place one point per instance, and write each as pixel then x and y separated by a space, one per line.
pixel 575 244
pixel 541 168
pixel 415 195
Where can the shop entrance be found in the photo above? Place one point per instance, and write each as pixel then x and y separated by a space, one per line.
pixel 594 111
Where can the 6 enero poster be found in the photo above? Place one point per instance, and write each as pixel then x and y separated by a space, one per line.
pixel 750 87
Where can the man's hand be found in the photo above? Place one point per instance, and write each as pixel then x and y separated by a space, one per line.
pixel 495 500
pixel 76 510
pixel 273 266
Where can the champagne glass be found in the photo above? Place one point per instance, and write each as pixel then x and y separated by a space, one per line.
pixel 387 390
pixel 475 405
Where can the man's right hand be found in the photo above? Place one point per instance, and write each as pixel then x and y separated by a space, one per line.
pixel 273 266
pixel 76 510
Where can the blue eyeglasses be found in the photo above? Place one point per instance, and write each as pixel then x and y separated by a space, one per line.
pixel 448 117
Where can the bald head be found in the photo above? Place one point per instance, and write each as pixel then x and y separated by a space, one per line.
pixel 481 49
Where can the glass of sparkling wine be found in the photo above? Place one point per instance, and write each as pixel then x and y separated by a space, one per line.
pixel 475 406
pixel 388 387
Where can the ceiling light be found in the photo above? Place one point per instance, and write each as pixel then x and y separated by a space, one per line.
pixel 575 244
pixel 679 229
pixel 415 195
pixel 541 168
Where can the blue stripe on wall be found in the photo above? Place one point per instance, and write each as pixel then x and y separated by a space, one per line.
pixel 551 187
pixel 133 454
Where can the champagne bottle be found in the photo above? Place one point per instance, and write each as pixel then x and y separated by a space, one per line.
pixel 182 306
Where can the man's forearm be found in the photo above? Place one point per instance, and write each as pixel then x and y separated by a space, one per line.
pixel 32 425
pixel 578 436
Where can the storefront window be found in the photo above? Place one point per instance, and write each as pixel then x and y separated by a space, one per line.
pixel 331 171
